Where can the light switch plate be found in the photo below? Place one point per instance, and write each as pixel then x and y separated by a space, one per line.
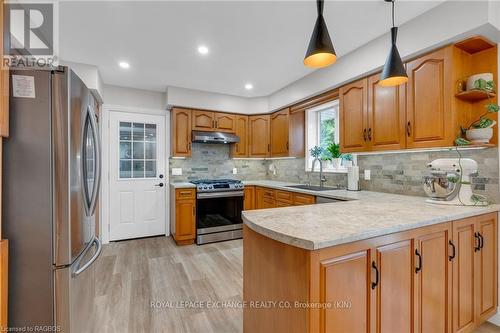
pixel 368 174
pixel 176 171
pixel 235 171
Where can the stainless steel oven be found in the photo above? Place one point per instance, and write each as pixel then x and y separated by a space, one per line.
pixel 218 210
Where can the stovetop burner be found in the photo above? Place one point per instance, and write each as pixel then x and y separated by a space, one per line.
pixel 218 185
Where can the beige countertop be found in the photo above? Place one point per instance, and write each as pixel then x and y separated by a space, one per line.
pixel 182 185
pixel 365 215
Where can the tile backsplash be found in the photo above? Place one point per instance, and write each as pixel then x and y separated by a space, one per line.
pixel 392 173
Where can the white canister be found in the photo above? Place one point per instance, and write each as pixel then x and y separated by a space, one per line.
pixel 474 78
pixel 353 178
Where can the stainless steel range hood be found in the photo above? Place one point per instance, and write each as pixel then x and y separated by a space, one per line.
pixel 214 137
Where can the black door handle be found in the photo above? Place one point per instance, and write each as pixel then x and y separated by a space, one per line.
pixel 160 185
pixel 374 266
pixel 450 258
pixel 481 240
pixel 419 267
pixel 478 246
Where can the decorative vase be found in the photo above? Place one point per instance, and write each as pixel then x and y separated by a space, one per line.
pixel 336 162
pixel 474 78
pixel 479 135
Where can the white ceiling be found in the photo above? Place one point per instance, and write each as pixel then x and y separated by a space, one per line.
pixel 262 42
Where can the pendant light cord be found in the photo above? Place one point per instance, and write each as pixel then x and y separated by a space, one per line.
pixel 319 4
pixel 393 24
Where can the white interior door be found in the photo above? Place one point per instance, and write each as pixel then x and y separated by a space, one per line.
pixel 137 177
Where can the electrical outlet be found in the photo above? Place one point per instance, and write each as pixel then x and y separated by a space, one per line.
pixel 176 171
pixel 235 171
pixel 368 174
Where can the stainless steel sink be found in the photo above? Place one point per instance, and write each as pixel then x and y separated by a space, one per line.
pixel 314 187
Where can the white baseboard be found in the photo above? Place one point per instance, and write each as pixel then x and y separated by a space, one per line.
pixel 495 319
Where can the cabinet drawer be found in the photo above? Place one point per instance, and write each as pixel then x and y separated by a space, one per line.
pixel 284 196
pixel 303 199
pixel 268 193
pixel 185 193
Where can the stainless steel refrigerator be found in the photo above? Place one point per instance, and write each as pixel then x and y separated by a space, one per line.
pixel 51 183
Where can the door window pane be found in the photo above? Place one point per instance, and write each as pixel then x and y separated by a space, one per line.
pixel 137 150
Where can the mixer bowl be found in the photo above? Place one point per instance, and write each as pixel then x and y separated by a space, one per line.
pixel 442 185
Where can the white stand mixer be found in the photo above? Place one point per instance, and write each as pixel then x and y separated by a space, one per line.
pixel 449 182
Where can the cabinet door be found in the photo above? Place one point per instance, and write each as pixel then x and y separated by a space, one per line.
pixel 353 117
pixel 486 267
pixel 386 116
pixel 259 134
pixel 203 120
pixel 249 198
pixel 225 122
pixel 429 115
pixel 432 276
pixel 279 133
pixel 181 133
pixel 185 219
pixel 345 283
pixel 240 149
pixel 303 199
pixel 393 295
pixel 463 275
pixel 296 145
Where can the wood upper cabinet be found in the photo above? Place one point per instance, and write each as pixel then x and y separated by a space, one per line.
pixel 213 121
pixel 185 216
pixel 181 132
pixel 240 149
pixel 386 116
pixel 279 133
pixel 353 116
pixel 296 133
pixel 259 129
pixel 4 84
pixel 430 121
pixel 225 122
pixel 392 299
pixel 432 282
pixel 486 267
pixel 249 198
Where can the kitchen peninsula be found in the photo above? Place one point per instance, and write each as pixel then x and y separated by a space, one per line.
pixel 385 261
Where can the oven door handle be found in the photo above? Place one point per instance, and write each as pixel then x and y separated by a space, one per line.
pixel 210 195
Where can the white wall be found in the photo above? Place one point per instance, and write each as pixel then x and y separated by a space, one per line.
pixel 89 75
pixel 130 97
pixel 445 23
pixel 212 101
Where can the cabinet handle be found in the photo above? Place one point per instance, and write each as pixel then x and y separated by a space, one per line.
pixel 419 267
pixel 213 123
pixel 450 258
pixel 268 147
pixel 370 134
pixel 287 147
pixel 194 210
pixel 189 146
pixel 478 247
pixel 364 134
pixel 216 124
pixel 374 266
pixel 481 239
pixel 408 129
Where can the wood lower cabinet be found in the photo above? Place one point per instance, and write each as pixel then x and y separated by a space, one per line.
pixel 279 133
pixel 439 278
pixel 184 215
pixel 240 149
pixel 181 132
pixel 265 198
pixel 259 134
pixel 249 198
pixel 270 198
pixel 353 116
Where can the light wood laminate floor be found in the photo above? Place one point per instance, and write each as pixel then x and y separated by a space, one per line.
pixel 130 275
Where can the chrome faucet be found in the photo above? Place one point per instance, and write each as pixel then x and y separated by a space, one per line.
pixel 322 178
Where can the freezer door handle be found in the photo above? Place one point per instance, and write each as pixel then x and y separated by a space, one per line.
pixel 98 245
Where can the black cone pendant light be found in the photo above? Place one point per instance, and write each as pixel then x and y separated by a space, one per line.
pixel 320 52
pixel 394 72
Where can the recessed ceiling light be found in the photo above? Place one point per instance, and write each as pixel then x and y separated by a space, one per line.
pixel 202 49
pixel 124 64
pixel 248 86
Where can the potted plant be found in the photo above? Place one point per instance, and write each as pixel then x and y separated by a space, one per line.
pixel 333 151
pixel 347 160
pixel 480 130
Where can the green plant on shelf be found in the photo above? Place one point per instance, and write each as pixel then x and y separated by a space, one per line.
pixel 487 87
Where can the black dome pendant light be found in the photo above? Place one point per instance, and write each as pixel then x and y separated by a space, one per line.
pixel 394 73
pixel 320 52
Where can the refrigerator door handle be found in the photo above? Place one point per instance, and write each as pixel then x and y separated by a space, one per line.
pixel 97 140
pixel 82 268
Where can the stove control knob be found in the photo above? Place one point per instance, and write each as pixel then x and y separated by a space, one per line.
pixel 205 188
